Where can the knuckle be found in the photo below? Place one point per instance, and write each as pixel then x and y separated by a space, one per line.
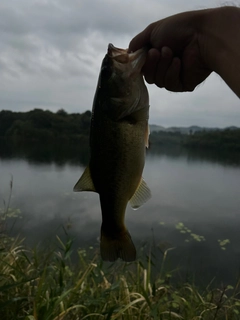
pixel 189 87
pixel 159 82
pixel 174 87
pixel 149 80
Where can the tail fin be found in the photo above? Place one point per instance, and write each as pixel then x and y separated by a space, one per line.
pixel 116 246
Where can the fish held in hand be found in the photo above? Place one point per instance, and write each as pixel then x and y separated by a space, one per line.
pixel 118 140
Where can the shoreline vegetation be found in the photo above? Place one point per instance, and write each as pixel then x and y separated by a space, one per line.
pixel 49 283
pixel 39 126
pixel 38 284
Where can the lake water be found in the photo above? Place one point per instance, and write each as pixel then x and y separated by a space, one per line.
pixel 195 205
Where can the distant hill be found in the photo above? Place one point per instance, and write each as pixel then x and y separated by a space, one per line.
pixel 154 127
pixel 232 128
pixel 187 130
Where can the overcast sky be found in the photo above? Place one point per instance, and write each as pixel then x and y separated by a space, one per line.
pixel 51 52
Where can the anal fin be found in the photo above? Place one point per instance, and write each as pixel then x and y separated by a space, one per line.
pixel 141 195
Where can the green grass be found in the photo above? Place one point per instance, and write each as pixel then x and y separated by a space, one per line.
pixel 47 285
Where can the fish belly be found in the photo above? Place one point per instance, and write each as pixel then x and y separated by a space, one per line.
pixel 116 165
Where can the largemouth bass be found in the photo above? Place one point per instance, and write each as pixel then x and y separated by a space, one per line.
pixel 118 139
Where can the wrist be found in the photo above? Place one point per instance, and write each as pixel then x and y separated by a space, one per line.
pixel 217 36
pixel 219 43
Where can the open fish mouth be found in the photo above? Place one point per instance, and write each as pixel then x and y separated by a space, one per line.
pixel 114 51
pixel 122 56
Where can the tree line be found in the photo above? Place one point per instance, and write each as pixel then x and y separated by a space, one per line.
pixel 45 126
pixel 217 139
pixel 227 139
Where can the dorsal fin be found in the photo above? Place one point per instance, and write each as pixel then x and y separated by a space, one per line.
pixel 141 195
pixel 85 182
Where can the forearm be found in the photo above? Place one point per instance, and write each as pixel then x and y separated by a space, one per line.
pixel 219 42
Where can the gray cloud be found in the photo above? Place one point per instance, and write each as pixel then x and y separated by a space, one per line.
pixel 51 51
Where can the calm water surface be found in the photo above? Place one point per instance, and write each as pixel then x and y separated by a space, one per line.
pixel 195 204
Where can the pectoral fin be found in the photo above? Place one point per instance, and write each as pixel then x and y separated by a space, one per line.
pixel 85 182
pixel 141 195
pixel 147 133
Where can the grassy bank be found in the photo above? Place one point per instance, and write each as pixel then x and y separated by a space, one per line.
pixel 57 283
pixel 36 284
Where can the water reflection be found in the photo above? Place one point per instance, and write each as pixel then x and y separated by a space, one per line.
pixel 59 153
pixel 195 203
pixel 215 156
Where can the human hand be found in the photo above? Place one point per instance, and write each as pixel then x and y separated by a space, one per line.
pixel 176 58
